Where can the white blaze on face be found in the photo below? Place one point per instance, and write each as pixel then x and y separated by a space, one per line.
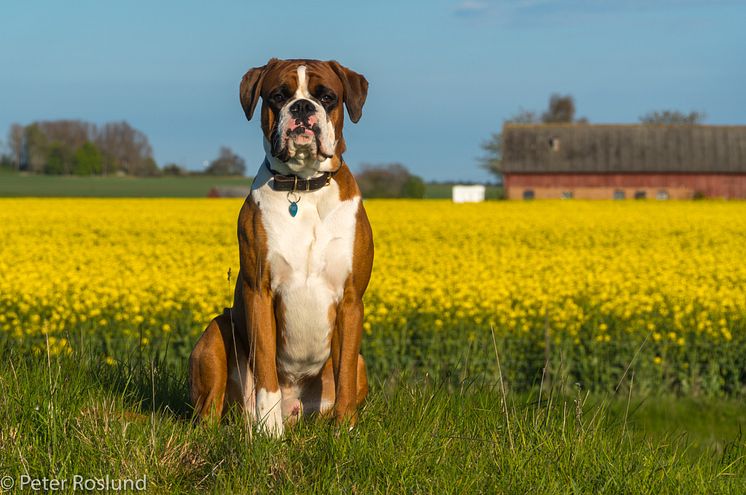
pixel 305 158
pixel 302 91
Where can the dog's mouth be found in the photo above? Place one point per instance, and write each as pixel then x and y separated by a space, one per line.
pixel 299 141
pixel 304 133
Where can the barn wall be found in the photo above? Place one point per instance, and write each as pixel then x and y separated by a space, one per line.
pixel 678 186
pixel 600 192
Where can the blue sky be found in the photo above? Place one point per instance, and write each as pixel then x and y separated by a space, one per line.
pixel 443 73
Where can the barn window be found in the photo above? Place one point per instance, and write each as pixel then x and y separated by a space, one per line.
pixel 619 194
pixel 554 144
pixel 567 194
pixel 528 194
pixel 662 195
pixel 640 194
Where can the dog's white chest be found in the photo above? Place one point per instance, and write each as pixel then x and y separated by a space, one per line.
pixel 309 257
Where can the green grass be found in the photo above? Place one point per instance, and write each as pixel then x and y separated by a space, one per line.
pixel 21 185
pixel 63 186
pixel 78 416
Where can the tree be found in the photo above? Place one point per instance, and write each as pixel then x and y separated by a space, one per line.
pixel 173 169
pixel 227 163
pixel 87 160
pixel 70 133
pixel 493 157
pixel 121 147
pixel 15 142
pixel 6 159
pixel 524 117
pixel 672 117
pixel 58 160
pixel 389 181
pixel 125 149
pixel 35 149
pixel 148 168
pixel 561 110
pixel 47 146
pixel 414 187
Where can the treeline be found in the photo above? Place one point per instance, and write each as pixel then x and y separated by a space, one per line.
pixel 391 180
pixel 75 147
pixel 64 147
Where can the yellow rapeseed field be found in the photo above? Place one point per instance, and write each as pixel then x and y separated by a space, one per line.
pixel 589 287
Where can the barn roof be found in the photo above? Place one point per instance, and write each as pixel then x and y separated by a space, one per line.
pixel 592 148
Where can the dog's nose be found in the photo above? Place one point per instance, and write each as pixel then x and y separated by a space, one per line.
pixel 301 109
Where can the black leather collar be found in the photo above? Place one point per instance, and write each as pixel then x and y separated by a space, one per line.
pixel 282 182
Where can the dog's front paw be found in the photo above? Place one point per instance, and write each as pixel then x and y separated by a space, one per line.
pixel 292 410
pixel 269 412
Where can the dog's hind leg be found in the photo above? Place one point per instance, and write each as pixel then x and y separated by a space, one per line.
pixel 208 369
pixel 362 380
pixel 241 388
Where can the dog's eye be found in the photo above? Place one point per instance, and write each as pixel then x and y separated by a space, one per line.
pixel 326 99
pixel 278 98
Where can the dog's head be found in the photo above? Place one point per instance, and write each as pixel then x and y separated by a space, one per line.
pixel 302 114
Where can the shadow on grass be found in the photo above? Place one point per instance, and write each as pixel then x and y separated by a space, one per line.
pixel 147 384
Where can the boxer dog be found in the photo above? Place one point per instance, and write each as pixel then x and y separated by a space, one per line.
pixel 290 345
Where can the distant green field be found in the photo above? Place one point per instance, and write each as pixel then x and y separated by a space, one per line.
pixel 167 187
pixel 443 191
pixel 15 185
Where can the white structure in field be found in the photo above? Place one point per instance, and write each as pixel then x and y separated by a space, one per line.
pixel 468 194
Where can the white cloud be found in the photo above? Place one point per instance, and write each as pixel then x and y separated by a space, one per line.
pixel 470 7
pixel 510 11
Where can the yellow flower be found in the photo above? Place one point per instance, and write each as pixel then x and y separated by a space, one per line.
pixel 588 274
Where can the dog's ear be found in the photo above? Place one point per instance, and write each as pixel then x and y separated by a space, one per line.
pixel 251 87
pixel 356 89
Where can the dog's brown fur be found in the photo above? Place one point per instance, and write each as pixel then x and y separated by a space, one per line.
pixel 249 333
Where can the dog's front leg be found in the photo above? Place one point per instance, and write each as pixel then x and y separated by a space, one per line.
pixel 345 352
pixel 262 332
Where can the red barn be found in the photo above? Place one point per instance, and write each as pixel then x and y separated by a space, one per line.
pixel 623 161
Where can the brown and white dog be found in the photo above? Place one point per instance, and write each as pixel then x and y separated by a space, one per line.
pixel 290 344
